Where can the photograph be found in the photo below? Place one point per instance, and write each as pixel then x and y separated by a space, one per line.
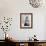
pixel 26 20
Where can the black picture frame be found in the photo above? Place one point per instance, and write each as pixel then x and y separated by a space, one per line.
pixel 26 18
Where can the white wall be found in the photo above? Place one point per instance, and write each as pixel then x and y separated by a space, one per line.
pixel 13 8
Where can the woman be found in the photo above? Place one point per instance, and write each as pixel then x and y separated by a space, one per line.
pixel 26 21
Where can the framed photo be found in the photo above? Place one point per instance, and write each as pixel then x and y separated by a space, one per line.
pixel 26 20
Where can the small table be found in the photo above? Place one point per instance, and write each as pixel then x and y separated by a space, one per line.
pixel 25 42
